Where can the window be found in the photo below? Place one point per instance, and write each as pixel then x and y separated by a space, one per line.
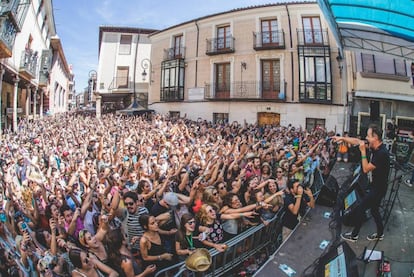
pixel 125 44
pixel 178 49
pixel 270 79
pixel 312 123
pixel 270 35
pixel 223 37
pixel 172 80
pixel 312 30
pixel 315 75
pixel 383 65
pixel 175 114
pixel 220 118
pixel 222 77
pixel 122 77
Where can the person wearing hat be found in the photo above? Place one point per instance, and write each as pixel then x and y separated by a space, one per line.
pixel 266 171
pixel 166 208
pixel 199 261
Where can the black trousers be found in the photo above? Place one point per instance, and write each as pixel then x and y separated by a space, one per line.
pixel 370 201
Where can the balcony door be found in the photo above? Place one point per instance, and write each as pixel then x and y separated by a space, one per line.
pixel 222 87
pixel 223 37
pixel 269 32
pixel 270 79
pixel 312 30
pixel 178 42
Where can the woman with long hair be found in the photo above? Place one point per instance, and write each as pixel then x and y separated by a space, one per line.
pixel 151 246
pixel 185 240
pixel 232 204
pixel 120 258
pixel 213 221
pixel 87 265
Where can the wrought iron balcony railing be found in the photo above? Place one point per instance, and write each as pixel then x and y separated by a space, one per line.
pixel 28 63
pixel 15 10
pixel 174 53
pixel 269 40
pixel 313 37
pixel 8 32
pixel 220 45
pixel 247 90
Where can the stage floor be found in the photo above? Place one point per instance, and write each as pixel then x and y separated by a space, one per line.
pixel 303 246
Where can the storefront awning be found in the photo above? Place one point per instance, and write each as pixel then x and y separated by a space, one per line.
pixel 384 95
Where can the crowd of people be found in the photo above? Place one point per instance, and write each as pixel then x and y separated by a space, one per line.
pixel 128 196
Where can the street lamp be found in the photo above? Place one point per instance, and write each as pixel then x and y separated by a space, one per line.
pixel 145 64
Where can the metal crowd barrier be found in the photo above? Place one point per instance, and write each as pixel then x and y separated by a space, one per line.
pixel 245 245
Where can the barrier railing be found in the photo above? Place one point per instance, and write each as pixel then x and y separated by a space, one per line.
pixel 256 239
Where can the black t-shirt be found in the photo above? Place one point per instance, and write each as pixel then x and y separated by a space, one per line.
pixel 381 159
pixel 290 220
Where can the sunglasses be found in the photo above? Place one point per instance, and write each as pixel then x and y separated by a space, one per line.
pixel 279 171
pixel 210 211
pixel 191 222
pixel 222 188
pixel 129 203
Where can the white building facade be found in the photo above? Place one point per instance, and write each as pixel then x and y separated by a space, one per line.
pixel 26 53
pixel 123 56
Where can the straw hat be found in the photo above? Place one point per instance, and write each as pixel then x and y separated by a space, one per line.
pixel 199 261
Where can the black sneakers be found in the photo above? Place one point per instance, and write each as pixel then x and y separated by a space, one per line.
pixel 375 236
pixel 349 237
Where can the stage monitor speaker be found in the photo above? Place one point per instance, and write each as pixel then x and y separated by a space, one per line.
pixel 339 261
pixel 374 110
pixel 329 192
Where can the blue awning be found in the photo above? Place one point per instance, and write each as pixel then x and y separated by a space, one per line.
pixel 385 26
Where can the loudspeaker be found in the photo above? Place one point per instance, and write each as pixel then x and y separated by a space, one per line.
pixel 329 193
pixel 339 261
pixel 374 110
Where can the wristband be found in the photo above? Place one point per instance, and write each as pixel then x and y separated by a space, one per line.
pixel 363 157
pixel 298 196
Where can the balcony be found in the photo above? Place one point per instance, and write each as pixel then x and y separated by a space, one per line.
pixel 221 45
pixel 248 90
pixel 174 53
pixel 28 64
pixel 8 33
pixel 45 65
pixel 172 94
pixel 16 11
pixel 120 84
pixel 269 40
pixel 312 37
pixel 315 92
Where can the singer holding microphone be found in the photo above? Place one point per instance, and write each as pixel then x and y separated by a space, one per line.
pixel 377 166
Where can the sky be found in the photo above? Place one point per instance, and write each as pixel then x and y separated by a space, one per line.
pixel 77 23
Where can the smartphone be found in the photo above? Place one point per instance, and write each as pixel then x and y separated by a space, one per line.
pixel 24 226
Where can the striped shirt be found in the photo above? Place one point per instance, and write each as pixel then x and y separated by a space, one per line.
pixel 133 228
